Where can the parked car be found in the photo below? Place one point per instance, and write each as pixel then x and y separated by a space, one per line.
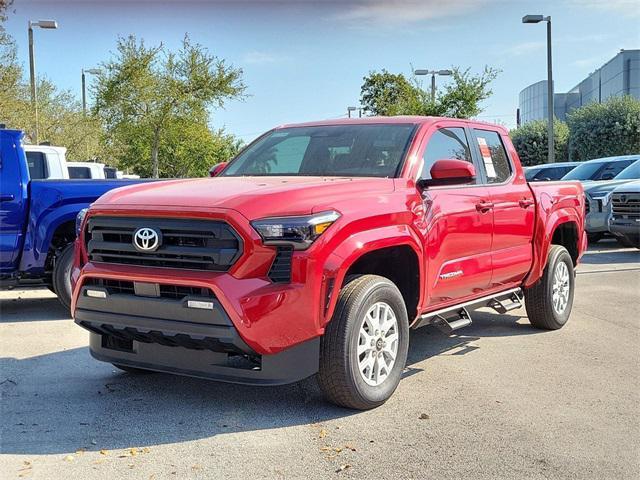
pixel 46 161
pixel 87 170
pixel 597 201
pixel 548 171
pixel 37 219
pixel 600 168
pixel 624 221
pixel 316 250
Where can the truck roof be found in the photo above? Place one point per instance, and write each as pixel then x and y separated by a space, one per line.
pixel 399 119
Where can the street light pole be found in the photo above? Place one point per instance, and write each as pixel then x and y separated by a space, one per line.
pixel 551 140
pixel 92 71
pixel 52 24
pixel 349 110
pixel 433 74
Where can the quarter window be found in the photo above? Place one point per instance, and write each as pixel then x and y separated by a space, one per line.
pixel 494 156
pixel 444 144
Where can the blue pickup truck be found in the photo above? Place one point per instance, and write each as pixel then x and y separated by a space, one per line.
pixel 37 220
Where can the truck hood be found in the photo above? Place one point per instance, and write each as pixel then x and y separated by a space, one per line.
pixel 253 197
pixel 602 187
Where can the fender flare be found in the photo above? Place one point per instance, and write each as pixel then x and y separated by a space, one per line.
pixel 543 236
pixel 353 248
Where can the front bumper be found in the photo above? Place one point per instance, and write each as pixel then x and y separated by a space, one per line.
pixel 624 227
pixel 166 335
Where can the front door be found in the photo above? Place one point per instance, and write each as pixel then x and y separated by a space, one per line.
pixel 459 224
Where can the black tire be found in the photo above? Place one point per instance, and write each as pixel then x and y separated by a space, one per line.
pixel 339 375
pixel 62 276
pixel 132 370
pixel 594 237
pixel 539 297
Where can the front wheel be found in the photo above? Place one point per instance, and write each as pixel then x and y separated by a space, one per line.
pixel 62 276
pixel 549 301
pixel 364 349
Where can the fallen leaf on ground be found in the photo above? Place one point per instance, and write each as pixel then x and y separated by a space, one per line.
pixel 68 458
pixel 423 416
pixel 104 452
pixel 323 433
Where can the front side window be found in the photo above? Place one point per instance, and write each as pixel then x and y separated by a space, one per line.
pixel 37 165
pixel 494 156
pixel 445 144
pixel 374 150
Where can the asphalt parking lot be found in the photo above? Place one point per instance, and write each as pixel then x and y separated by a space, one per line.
pixel 498 400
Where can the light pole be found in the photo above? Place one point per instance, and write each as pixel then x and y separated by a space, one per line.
pixel 538 19
pixel 92 71
pixel 349 110
pixel 52 24
pixel 433 74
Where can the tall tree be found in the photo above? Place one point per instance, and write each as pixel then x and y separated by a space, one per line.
pixel 393 94
pixel 152 91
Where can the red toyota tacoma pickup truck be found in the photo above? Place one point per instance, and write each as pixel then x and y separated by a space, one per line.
pixel 318 248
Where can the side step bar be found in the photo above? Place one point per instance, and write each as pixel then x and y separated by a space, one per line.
pixel 457 316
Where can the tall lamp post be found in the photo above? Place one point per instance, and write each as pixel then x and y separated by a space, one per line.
pixel 538 19
pixel 92 71
pixel 433 74
pixel 50 24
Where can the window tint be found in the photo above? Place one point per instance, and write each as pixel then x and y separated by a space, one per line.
pixel 37 165
pixel 79 172
pixel 374 150
pixel 445 144
pixel 494 156
pixel 110 172
pixel 612 169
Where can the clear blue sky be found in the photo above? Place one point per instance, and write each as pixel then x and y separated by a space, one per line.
pixel 304 60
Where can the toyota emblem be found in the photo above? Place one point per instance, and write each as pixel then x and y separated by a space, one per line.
pixel 146 239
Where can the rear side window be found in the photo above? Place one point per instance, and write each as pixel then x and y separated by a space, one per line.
pixel 37 165
pixel 110 172
pixel 444 144
pixel 79 172
pixel 494 156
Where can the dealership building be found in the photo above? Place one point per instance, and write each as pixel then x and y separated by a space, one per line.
pixel 619 76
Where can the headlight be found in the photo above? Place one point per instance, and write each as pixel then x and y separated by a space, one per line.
pixel 79 219
pixel 603 197
pixel 300 232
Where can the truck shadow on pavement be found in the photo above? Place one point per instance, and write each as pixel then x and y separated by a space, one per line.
pixel 65 401
pixel 32 310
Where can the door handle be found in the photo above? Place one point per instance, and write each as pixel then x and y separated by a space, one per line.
pixel 526 202
pixel 7 197
pixel 484 206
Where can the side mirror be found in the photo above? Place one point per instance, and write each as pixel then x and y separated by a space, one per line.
pixel 449 172
pixel 217 169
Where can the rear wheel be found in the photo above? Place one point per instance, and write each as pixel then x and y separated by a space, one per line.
pixel 549 301
pixel 62 276
pixel 364 348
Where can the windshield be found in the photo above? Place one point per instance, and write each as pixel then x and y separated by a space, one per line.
pixel 374 150
pixel 632 172
pixel 586 171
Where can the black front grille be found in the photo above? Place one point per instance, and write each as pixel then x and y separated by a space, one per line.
pixel 625 205
pixel 187 244
pixel 280 271
pixel 126 287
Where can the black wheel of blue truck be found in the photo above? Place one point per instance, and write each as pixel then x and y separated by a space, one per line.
pixel 550 299
pixel 364 349
pixel 62 275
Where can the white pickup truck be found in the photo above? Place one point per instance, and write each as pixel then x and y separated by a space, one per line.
pixel 86 170
pixel 46 161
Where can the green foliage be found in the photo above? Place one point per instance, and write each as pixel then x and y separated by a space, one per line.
pixel 154 106
pixel 531 141
pixel 385 93
pixel 605 129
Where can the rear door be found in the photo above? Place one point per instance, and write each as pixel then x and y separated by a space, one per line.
pixel 13 200
pixel 513 208
pixel 458 227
